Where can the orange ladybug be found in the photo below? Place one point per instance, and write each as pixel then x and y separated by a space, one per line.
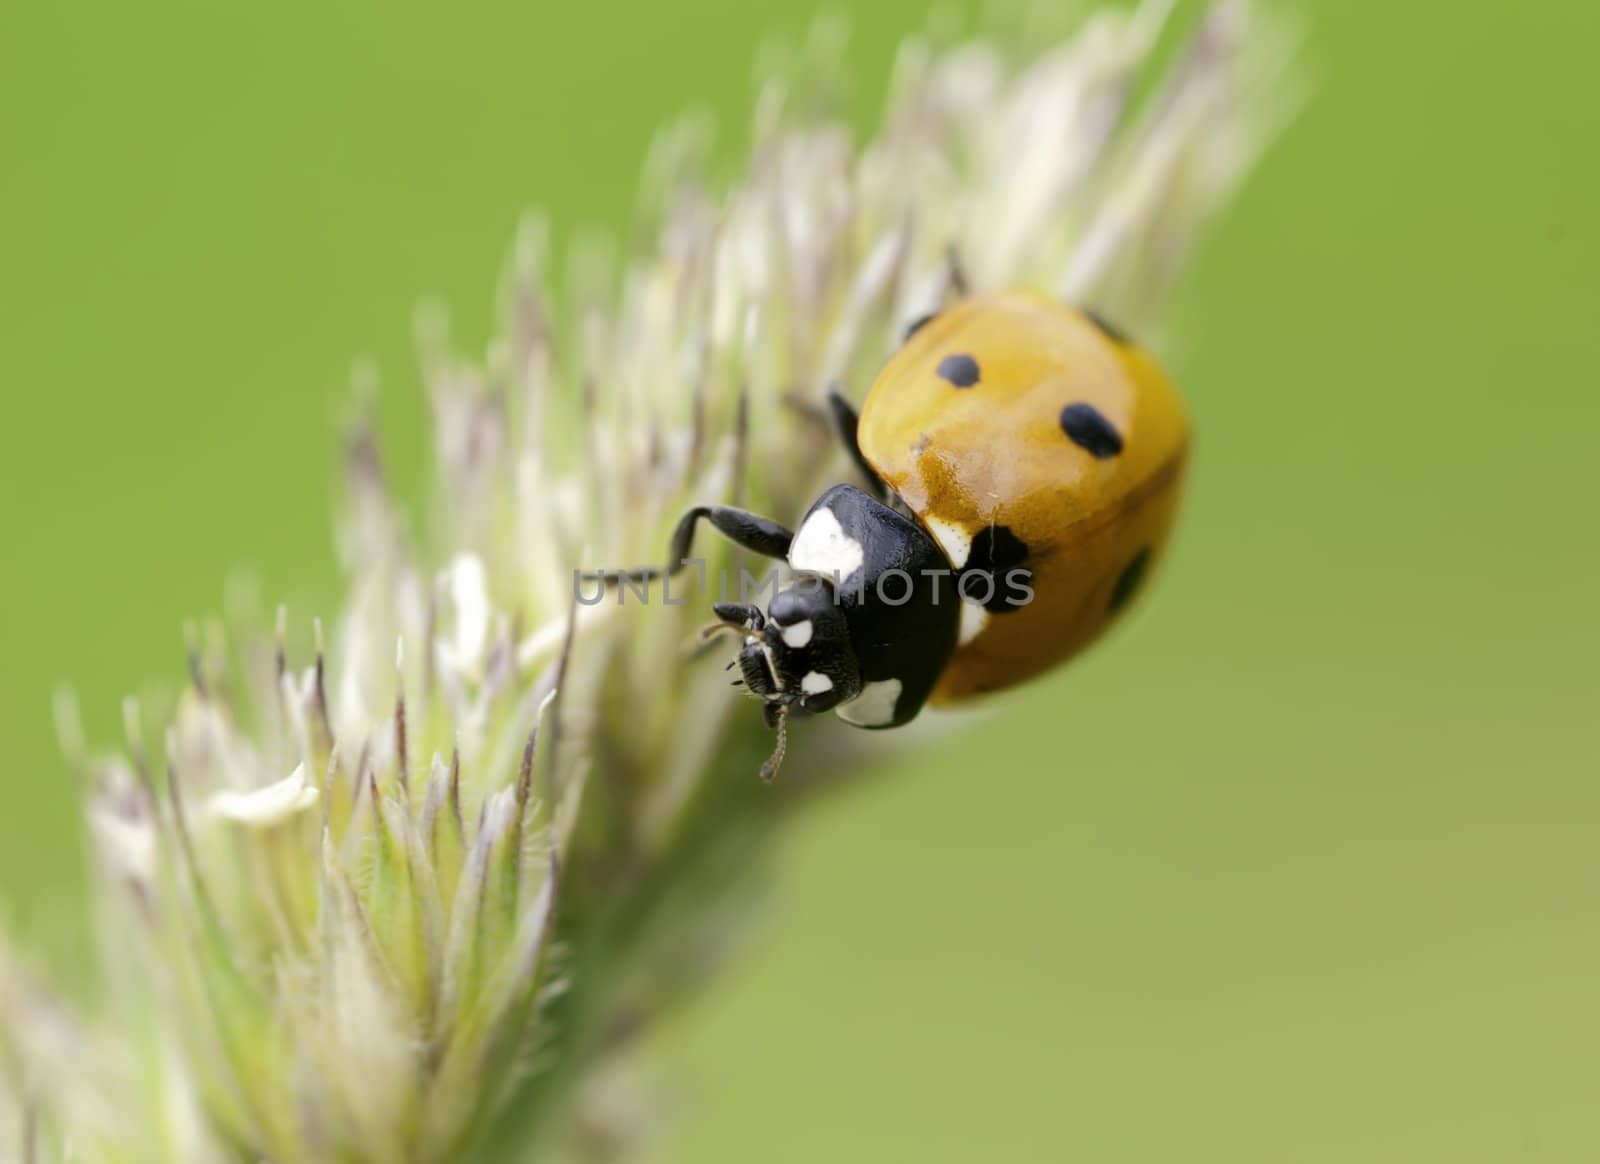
pixel 1027 461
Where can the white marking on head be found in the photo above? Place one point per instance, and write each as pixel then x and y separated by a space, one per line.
pixel 815 683
pixel 973 619
pixel 955 541
pixel 822 547
pixel 797 635
pixel 874 707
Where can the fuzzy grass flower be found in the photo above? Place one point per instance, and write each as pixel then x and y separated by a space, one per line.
pixel 404 888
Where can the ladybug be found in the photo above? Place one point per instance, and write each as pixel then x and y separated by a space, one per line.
pixel 1025 463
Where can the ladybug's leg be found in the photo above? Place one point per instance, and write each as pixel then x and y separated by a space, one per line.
pixel 845 423
pixel 760 534
pixel 740 614
pixel 955 274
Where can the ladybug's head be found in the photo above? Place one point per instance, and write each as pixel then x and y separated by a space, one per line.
pixel 797 657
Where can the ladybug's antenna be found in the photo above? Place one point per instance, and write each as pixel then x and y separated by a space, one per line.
pixel 707 633
pixel 774 761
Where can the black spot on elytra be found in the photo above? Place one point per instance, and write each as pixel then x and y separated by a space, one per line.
pixel 917 325
pixel 1112 332
pixel 1090 431
pixel 997 551
pixel 1129 581
pixel 960 370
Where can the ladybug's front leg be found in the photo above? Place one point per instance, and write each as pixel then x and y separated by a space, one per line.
pixel 752 531
pixel 846 423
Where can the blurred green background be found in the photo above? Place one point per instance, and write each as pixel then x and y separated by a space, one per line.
pixel 1300 867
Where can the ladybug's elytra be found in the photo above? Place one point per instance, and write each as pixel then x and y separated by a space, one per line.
pixel 1026 461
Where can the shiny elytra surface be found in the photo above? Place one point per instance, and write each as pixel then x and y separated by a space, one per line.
pixel 1025 434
